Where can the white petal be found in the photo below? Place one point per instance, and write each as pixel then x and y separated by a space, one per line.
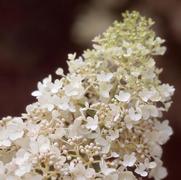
pixel 2 168
pixel 123 96
pixel 145 95
pixel 16 135
pixel 104 77
pixel 92 123
pixel 36 93
pixel 104 169
pixel 59 72
pixel 129 160
pixel 134 115
pixel 141 170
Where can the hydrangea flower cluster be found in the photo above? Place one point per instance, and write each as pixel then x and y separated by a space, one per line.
pixel 101 121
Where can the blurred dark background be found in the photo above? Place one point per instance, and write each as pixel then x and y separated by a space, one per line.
pixel 36 35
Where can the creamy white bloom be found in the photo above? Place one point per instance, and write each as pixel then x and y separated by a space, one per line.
pixel 41 145
pixel 23 162
pixel 129 160
pixel 59 133
pixel 112 135
pixel 75 64
pixel 141 170
pixel 43 87
pixel 2 168
pixel 135 114
pixel 104 143
pixel 127 175
pixel 80 173
pixel 92 123
pixel 59 72
pixel 123 96
pixel 150 165
pixel 159 172
pixel 14 130
pixel 166 90
pixel 149 111
pixel 105 169
pixel 164 131
pixel 105 89
pixel 64 103
pixel 145 94
pixel 4 137
pixel 104 77
pixel 74 129
pixel 56 86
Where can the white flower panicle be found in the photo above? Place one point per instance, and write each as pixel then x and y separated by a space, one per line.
pixel 103 120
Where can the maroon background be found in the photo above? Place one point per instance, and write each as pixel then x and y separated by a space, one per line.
pixel 35 39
